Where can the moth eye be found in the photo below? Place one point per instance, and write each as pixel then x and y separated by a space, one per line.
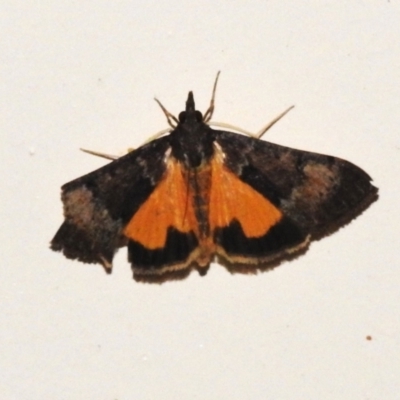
pixel 199 116
pixel 182 116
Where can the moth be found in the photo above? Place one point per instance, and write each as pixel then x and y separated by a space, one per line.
pixel 198 193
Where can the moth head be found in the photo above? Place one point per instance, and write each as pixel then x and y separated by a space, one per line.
pixel 190 114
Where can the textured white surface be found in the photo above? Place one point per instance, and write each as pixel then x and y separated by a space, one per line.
pixel 83 74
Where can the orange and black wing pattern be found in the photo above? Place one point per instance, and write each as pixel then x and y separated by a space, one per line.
pixel 198 193
pixel 293 197
pixel 163 234
pixel 249 226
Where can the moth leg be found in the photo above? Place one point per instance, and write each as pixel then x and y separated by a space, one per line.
pixel 112 157
pixel 98 154
pixel 106 264
pixel 208 114
pixel 247 133
pixel 273 122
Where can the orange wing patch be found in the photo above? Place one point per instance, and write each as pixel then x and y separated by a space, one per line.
pixel 232 199
pixel 168 206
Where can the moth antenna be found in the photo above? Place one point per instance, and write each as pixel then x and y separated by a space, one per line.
pixel 209 113
pixel 273 122
pixel 102 155
pixel 157 135
pixel 170 117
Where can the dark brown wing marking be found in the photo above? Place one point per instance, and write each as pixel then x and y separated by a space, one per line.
pixel 319 193
pixel 98 205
